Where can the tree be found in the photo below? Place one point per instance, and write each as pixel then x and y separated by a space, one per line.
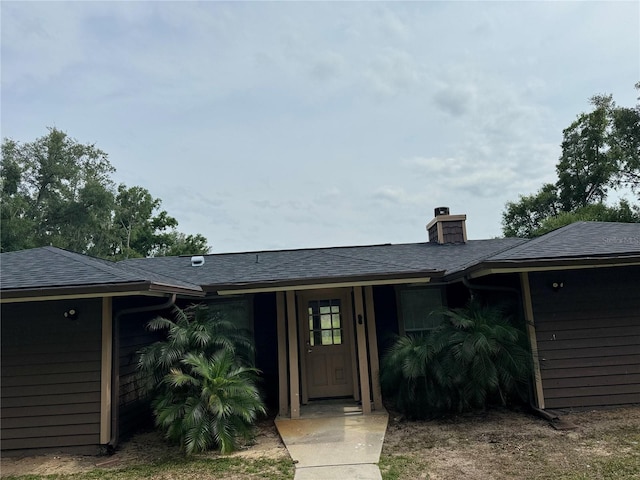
pixel 57 191
pixel 139 231
pixel 600 153
pixel 625 144
pixel 597 212
pixel 586 168
pixel 202 379
pixel 181 244
pixel 524 218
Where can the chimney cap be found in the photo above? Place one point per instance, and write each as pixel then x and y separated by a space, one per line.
pixel 440 211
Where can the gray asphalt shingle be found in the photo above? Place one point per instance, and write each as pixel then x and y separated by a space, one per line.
pixel 52 267
pixel 48 267
pixel 580 239
pixel 326 263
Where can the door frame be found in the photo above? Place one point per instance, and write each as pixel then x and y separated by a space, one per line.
pixel 344 294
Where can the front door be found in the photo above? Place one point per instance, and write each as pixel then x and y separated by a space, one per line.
pixel 326 344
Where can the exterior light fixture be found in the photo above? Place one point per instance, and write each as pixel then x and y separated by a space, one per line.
pixel 71 314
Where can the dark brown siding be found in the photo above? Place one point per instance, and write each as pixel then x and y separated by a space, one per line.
pixel 433 233
pixel 133 404
pixel 50 375
pixel 588 334
pixel 452 232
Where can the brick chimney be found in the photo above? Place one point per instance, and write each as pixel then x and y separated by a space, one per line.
pixel 446 228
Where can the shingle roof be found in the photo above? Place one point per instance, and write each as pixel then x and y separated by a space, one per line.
pixel 579 240
pixel 328 264
pixel 51 267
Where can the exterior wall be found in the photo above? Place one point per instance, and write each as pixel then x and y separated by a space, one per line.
pixel 266 343
pixel 134 406
pixel 453 232
pixel 588 335
pixel 386 311
pixel 51 376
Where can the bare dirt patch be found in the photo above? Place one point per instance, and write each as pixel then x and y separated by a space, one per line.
pixel 493 445
pixel 503 444
pixel 144 448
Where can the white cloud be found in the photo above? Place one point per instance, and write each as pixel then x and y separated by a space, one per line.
pixel 455 100
pixel 393 72
pixel 443 167
pixel 308 123
pixel 390 194
pixel 393 25
pixel 327 66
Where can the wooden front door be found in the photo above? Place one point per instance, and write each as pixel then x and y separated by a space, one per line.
pixel 325 344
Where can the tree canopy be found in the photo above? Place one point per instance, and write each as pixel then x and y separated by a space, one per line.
pixel 57 191
pixel 600 154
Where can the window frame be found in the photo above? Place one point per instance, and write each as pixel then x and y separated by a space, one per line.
pixel 400 308
pixel 222 303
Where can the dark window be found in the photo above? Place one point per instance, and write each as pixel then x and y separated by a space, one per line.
pixel 235 310
pixel 421 308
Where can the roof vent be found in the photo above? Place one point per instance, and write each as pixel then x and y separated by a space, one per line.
pixel 197 261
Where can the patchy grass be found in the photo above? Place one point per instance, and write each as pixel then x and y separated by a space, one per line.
pixel 236 468
pixel 502 444
pixel 395 467
pixel 493 445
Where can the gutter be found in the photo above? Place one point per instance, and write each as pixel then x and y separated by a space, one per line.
pixel 414 276
pixel 115 363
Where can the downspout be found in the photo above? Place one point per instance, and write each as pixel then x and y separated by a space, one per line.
pixel 115 363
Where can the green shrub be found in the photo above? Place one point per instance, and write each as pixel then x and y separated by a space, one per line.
pixel 474 358
pixel 202 380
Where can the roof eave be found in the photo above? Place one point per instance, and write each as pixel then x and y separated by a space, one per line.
pixel 96 290
pixel 543 264
pixel 323 282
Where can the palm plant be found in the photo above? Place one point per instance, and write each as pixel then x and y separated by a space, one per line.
pixel 486 356
pixel 475 357
pixel 413 378
pixel 202 379
pixel 209 402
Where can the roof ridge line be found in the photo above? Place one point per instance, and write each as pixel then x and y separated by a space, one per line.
pixel 90 261
pixel 372 261
pixel 479 261
pixel 162 274
pixel 279 250
pixel 548 235
pixel 524 241
pixel 263 266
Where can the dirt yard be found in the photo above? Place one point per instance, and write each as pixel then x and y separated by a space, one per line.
pixel 494 445
pixel 508 445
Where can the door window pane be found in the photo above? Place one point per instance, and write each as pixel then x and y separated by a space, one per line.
pixel 325 323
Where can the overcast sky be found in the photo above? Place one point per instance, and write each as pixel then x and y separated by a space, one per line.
pixel 288 125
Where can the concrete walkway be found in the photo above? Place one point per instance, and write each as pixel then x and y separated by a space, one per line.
pixel 334 441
